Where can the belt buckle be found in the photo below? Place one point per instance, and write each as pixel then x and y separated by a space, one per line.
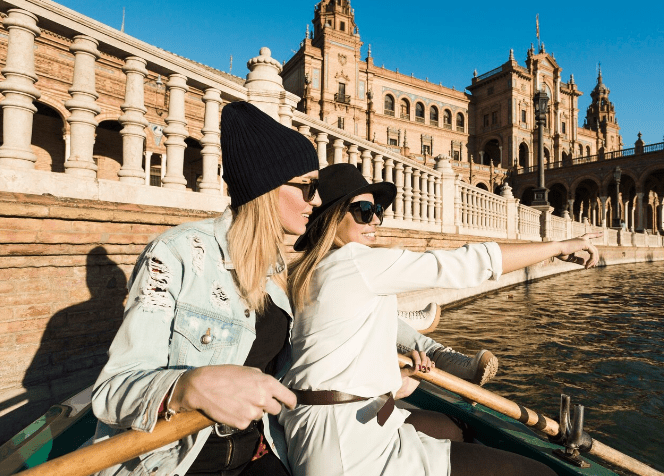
pixel 223 431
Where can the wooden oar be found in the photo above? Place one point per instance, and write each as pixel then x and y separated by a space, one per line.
pixel 122 447
pixel 524 415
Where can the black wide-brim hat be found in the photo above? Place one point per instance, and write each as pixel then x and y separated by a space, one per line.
pixel 340 182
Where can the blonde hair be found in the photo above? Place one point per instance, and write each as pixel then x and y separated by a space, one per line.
pixel 255 241
pixel 322 237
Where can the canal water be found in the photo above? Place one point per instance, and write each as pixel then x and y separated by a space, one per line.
pixel 596 335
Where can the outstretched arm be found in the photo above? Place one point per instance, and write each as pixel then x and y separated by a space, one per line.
pixel 521 255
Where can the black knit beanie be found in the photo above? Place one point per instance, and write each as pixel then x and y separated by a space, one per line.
pixel 259 154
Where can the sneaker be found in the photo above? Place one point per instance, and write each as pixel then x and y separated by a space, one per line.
pixel 423 321
pixel 478 369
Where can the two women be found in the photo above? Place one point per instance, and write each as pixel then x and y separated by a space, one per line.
pixel 345 371
pixel 207 320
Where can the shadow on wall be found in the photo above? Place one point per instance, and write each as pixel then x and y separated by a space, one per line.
pixel 73 348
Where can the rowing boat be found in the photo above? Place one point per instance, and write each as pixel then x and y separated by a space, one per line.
pixel 70 425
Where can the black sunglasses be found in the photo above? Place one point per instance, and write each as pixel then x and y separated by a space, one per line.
pixel 309 186
pixel 364 211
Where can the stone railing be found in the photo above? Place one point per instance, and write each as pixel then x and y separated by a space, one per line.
pixel 612 237
pixel 429 199
pixel 529 223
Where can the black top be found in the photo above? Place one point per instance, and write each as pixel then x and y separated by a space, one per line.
pixel 271 337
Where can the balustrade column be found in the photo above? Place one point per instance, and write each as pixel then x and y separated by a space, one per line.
pixel 378 168
pixel 133 120
pixel 321 147
pixel 389 166
pixel 338 146
pixel 352 154
pixel 210 142
pixel 366 164
pixel 148 159
pixel 408 193
pixel 304 130
pixel 639 211
pixel 19 90
pixel 176 132
pixel 83 108
pixel 424 194
pixel 398 200
pixel 432 199
pixel 603 212
pixel 416 194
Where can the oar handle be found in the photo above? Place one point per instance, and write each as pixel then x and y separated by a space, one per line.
pixel 122 447
pixel 524 415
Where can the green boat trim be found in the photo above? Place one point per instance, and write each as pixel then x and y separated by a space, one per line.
pixel 71 425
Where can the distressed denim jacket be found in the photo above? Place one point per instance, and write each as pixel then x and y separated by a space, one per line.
pixel 181 290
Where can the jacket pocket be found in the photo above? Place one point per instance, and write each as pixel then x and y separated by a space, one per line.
pixel 202 337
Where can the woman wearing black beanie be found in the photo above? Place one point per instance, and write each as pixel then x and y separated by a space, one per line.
pixel 207 320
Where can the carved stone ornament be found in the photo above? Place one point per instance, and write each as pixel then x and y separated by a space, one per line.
pixel 341 74
pixel 342 59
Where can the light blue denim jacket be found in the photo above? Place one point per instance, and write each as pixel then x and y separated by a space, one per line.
pixel 181 289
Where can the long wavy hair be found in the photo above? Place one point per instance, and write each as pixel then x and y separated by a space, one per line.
pixel 255 242
pixel 321 238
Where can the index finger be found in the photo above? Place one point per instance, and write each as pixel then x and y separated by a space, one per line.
pixel 282 394
pixel 592 235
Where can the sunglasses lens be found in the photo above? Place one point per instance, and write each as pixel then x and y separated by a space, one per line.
pixel 311 190
pixel 380 212
pixel 364 211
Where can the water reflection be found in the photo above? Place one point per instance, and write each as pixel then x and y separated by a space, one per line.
pixel 595 335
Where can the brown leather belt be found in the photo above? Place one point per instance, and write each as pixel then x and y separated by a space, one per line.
pixel 335 397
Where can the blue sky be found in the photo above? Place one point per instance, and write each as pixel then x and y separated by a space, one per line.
pixel 444 41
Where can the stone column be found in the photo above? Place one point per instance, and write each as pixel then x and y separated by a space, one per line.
pixel 67 138
pixel 408 193
pixel 602 214
pixel 481 157
pixel 162 169
pixel 639 212
pixel 417 173
pixel 431 198
pixel 338 146
pixel 398 200
pixel 83 108
pixel 19 90
pixel 389 166
pixel 500 155
pixel 570 207
pixel 366 164
pixel 378 168
pixel 210 142
pixel 424 194
pixel 148 158
pixel 321 147
pixel 352 154
pixel 133 120
pixel 176 132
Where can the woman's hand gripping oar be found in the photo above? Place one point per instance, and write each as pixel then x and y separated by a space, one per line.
pixel 526 416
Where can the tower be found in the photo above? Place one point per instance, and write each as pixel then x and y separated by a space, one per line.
pixel 601 117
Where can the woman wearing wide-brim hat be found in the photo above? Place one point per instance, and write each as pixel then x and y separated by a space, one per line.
pixel 345 370
pixel 207 321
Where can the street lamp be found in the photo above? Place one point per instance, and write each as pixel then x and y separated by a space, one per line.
pixel 541 193
pixel 616 175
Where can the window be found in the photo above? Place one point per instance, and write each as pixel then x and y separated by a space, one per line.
pixel 426 149
pixel 460 122
pixel 447 119
pixel 341 96
pixel 404 108
pixel 563 128
pixel 523 115
pixel 457 155
pixel 388 109
pixel 494 117
pixel 342 89
pixel 486 120
pixel 342 26
pixel 392 141
pixel 419 112
pixel 433 116
pixel 340 122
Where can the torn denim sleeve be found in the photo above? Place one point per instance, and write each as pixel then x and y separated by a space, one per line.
pixel 135 379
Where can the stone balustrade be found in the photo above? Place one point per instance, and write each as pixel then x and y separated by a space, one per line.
pixel 428 199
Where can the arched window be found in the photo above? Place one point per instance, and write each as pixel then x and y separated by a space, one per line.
pixel 404 108
pixel 588 150
pixel 433 116
pixel 460 122
pixel 580 150
pixel 419 112
pixel 389 105
pixel 447 119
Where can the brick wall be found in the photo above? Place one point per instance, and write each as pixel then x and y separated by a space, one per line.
pixel 64 266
